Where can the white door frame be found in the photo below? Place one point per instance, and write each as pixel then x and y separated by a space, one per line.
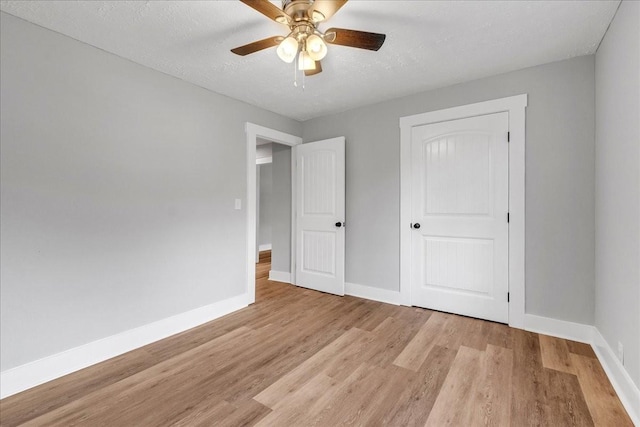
pixel 254 132
pixel 515 106
pixel 257 249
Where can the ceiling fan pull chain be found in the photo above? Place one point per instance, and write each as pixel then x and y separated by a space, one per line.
pixel 295 72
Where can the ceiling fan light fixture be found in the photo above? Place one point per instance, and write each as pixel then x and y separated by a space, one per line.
pixel 288 49
pixel 317 16
pixel 305 62
pixel 316 47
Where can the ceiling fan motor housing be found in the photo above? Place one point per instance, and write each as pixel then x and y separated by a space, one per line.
pixel 298 10
pixel 296 3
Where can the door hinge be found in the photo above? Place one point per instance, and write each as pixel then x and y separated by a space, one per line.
pixel 507 216
pixel 508 136
pixel 508 297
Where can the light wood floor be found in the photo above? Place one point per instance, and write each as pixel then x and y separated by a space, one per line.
pixel 300 358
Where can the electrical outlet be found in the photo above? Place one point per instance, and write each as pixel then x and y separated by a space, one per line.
pixel 621 352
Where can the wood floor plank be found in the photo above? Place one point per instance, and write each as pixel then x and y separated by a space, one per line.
pixel 247 413
pixel 30 404
pixel 419 395
pixel 376 315
pixel 471 333
pixel 358 352
pixel 602 401
pixel 581 349
pixel 279 353
pixel 457 390
pixel 185 341
pixel 300 403
pixel 303 373
pixel 279 359
pixel 452 332
pixel 528 391
pixel 418 349
pixel 167 380
pixel 206 413
pixel 566 405
pixel 498 334
pixel 385 400
pixel 392 337
pixel 298 357
pixel 347 403
pixel 555 354
pixel 490 404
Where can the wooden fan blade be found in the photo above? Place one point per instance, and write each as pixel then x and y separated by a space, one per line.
pixel 353 38
pixel 326 7
pixel 256 46
pixel 317 70
pixel 268 9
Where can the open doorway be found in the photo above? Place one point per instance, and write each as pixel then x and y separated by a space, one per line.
pixel 264 211
pixel 273 209
pixel 283 142
pixel 264 195
pixel 273 220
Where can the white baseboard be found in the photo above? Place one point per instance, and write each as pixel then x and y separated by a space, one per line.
pixel 624 386
pixel 265 247
pixel 264 160
pixel 627 390
pixel 376 294
pixel 31 374
pixel 280 276
pixel 559 328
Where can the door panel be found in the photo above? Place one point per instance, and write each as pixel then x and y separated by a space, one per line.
pixel 319 252
pixel 460 201
pixel 458 263
pixel 457 174
pixel 319 177
pixel 320 206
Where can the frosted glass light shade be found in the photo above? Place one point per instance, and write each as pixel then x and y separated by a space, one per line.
pixel 288 49
pixel 316 47
pixel 317 16
pixel 305 62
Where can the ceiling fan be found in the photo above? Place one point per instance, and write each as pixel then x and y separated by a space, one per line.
pixel 305 42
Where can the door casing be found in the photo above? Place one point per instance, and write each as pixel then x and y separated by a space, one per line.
pixel 515 106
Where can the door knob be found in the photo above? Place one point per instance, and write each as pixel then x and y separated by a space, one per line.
pixel 338 224
pixel 416 225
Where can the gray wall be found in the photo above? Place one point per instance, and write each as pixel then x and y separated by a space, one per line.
pixel 266 201
pixel 618 186
pixel 559 181
pixel 117 193
pixel 281 209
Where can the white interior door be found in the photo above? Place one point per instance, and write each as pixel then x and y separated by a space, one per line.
pixel 459 203
pixel 320 215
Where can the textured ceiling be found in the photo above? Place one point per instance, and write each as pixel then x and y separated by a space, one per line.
pixel 429 44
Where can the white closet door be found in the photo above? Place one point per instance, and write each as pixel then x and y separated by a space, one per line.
pixel 460 184
pixel 320 215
